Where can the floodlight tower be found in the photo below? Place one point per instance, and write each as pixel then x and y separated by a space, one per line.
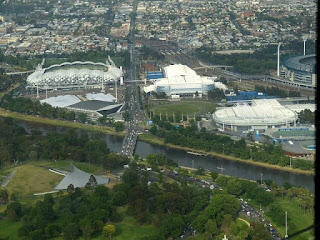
pixel 278 68
pixel 304 38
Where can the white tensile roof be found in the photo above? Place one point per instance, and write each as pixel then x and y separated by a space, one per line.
pixel 61 101
pixel 101 97
pixel 261 111
pixel 178 70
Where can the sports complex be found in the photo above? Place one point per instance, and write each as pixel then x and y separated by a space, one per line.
pixel 300 69
pixel 261 114
pixel 181 81
pixel 74 76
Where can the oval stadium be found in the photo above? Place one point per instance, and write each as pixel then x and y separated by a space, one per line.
pixel 300 69
pixel 74 75
pixel 261 114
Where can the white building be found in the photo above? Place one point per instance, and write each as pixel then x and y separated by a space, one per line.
pixel 74 75
pixel 183 81
pixel 261 114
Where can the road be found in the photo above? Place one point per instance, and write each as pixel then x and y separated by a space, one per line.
pixel 133 103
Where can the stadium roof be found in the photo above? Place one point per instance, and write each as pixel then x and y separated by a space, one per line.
pixel 178 70
pixel 101 97
pixel 77 73
pixel 260 112
pixel 95 105
pixel 61 101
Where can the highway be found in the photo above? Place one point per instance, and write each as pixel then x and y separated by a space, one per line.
pixel 133 103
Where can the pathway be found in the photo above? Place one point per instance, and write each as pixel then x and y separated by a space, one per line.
pixel 7 180
pixel 243 220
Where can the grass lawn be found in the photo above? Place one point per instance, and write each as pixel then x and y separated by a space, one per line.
pixel 300 219
pixel 129 228
pixel 9 230
pixel 64 165
pixel 32 179
pixel 185 107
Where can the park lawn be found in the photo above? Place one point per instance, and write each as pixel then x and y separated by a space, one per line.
pixel 242 224
pixel 185 107
pixel 129 228
pixel 65 164
pixel 31 179
pixel 300 219
pixel 9 230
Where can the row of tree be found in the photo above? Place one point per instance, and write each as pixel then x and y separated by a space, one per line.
pixel 203 140
pixel 275 91
pixel 16 145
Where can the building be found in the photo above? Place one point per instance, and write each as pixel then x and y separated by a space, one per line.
pixel 261 114
pixel 301 69
pixel 75 75
pixel 181 80
pixel 95 108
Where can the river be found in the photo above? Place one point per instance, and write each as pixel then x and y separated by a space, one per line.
pixel 231 168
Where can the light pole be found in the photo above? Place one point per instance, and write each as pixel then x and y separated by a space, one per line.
pixel 261 178
pixel 290 161
pixel 286 236
pixel 251 154
pixel 278 68
pixel 304 38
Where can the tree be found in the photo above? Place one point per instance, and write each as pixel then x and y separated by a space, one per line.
pixel 172 225
pixel 93 181
pixel 71 231
pixel 70 188
pixel 214 175
pixel 259 232
pixel 119 126
pixel 109 230
pixel 211 227
pixel 82 117
pixel 234 187
pixel 130 177
pixel 199 222
pixel 126 116
pixel 86 228
pixel 4 195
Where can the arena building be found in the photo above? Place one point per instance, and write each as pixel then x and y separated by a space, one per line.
pixel 75 75
pixel 261 114
pixel 183 81
pixel 301 69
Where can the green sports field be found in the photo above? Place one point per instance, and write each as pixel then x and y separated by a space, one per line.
pixel 184 107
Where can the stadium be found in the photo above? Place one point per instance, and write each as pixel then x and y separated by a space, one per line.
pixel 261 114
pixel 301 69
pixel 74 76
pixel 180 80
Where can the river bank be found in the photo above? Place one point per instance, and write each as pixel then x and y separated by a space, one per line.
pixel 60 123
pixel 154 140
pixel 145 137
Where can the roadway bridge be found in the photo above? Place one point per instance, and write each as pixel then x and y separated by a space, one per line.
pixel 129 143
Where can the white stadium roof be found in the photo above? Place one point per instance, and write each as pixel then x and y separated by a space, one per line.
pixel 101 97
pixel 260 112
pixel 75 73
pixel 300 107
pixel 178 70
pixel 61 101
pixel 181 77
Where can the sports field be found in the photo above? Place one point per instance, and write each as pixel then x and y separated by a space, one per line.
pixel 184 107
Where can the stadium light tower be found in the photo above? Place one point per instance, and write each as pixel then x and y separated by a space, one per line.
pixel 304 38
pixel 278 68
